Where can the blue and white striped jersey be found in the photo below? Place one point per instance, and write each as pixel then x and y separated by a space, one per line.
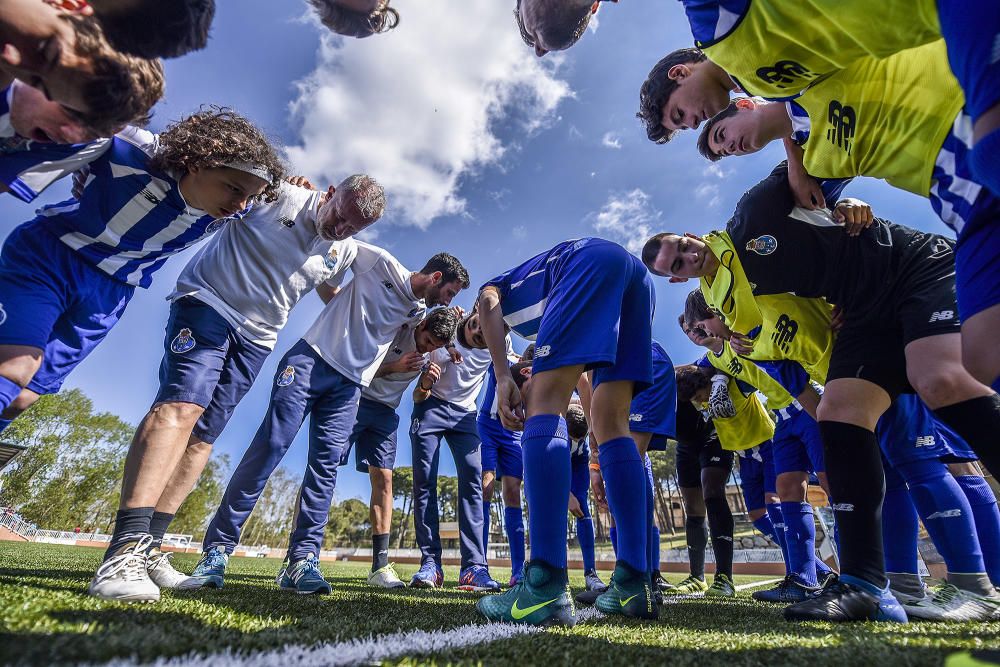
pixel 129 219
pixel 28 167
pixel 713 19
pixel 524 290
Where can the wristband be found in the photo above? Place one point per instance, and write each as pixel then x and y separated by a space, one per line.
pixel 595 466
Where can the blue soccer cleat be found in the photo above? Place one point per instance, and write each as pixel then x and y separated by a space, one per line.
pixel 211 569
pixel 430 575
pixel 303 577
pixel 541 598
pixel 849 599
pixel 789 591
pixel 477 578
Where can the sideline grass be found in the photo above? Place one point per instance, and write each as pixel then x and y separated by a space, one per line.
pixel 47 618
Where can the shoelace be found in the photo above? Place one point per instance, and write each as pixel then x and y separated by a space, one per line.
pixel 944 594
pixel 159 559
pixel 304 568
pixel 130 564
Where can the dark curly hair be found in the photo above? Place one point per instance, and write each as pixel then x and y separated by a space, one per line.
pixel 451 269
pixel 706 132
pixel 213 137
pixel 562 28
pixel 122 90
pixel 441 323
pixel 692 379
pixel 696 307
pixel 156 28
pixel 576 422
pixel 657 89
pixel 356 24
pixel 515 371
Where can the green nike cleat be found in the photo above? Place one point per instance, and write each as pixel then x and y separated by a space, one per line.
pixel 722 587
pixel 687 586
pixel 629 594
pixel 541 598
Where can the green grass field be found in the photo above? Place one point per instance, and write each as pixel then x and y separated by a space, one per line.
pixel 46 618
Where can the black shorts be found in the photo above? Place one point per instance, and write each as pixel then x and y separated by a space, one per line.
pixel 693 456
pixel 919 302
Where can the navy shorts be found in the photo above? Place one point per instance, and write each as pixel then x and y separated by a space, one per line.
pixel 797 444
pixel 909 432
pixel 208 363
pixel 757 475
pixel 52 299
pixel 692 457
pixel 971 31
pixel 501 449
pixel 599 313
pixel 373 437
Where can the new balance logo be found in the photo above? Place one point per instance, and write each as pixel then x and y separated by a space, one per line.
pixel 735 366
pixel 725 538
pixel 844 124
pixel 635 417
pixel 785 73
pixel 843 507
pixel 942 316
pixel 715 459
pixel 784 331
pixel 543 351
pixel 924 441
pixel 149 196
pixel 945 514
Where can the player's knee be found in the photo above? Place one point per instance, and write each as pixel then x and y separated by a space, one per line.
pixel 18 366
pixel 792 486
pixel 381 478
pixel 176 414
pixel 17 407
pixel 940 385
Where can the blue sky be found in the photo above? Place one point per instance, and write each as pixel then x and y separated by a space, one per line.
pixel 486 153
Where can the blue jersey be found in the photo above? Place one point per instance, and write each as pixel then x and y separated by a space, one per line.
pixel 488 408
pixel 129 218
pixel 711 19
pixel 28 167
pixel 789 374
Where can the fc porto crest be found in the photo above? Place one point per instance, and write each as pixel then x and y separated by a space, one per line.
pixel 331 259
pixel 182 342
pixel 216 225
pixel 287 377
pixel 763 245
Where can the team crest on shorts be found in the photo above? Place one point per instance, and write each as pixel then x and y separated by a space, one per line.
pixel 182 342
pixel 331 259
pixel 287 377
pixel 763 245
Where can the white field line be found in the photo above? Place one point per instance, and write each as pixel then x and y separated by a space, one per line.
pixel 670 599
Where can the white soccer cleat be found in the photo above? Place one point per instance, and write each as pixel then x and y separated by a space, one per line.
pixel 124 577
pixel 950 603
pixel 385 577
pixel 163 574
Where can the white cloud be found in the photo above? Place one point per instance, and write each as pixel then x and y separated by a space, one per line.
pixel 611 140
pixel 708 192
pixel 414 110
pixel 520 232
pixel 714 169
pixel 628 218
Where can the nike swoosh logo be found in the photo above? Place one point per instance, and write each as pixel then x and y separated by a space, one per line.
pixel 627 600
pixel 517 613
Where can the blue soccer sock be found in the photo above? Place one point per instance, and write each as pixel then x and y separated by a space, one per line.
pixel 545 447
pixel 625 485
pixel 655 561
pixel 130 525
pixel 613 537
pixel 486 530
pixel 8 392
pixel 4 423
pixel 778 532
pixel 513 522
pixel 946 514
pixel 984 160
pixel 585 536
pixel 987 516
pixel 800 540
pixel 899 532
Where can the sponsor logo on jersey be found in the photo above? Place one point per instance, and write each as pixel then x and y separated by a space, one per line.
pixel 946 514
pixel 286 377
pixel 784 73
pixel 843 507
pixel 286 222
pixel 543 351
pixel 635 417
pixel 735 366
pixel 763 245
pixel 715 459
pixel 924 441
pixel 785 329
pixel 942 316
pixel 387 284
pixel 397 350
pixel 182 342
pixel 940 249
pixel 843 125
pixel 149 196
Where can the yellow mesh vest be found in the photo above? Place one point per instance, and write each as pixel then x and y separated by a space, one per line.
pixel 743 369
pixel 780 47
pixel 751 426
pixel 883 118
pixel 729 292
pixel 796 329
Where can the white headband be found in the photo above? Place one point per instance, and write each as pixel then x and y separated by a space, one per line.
pixel 253 169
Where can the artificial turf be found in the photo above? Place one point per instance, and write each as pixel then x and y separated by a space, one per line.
pixel 46 618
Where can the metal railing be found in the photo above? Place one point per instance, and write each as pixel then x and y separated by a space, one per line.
pixel 16 524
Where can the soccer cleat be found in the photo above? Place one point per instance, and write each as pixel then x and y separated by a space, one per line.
pixel 477 579
pixel 722 587
pixel 594 582
pixel 628 594
pixel 848 599
pixel 688 586
pixel 830 579
pixel 975 658
pixel 430 575
pixel 385 577
pixel 303 577
pixel 950 603
pixel 163 574
pixel 789 591
pixel 211 569
pixel 541 598
pixel 124 577
pixel 660 583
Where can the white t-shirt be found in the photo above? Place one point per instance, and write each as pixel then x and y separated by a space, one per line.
pixel 255 270
pixel 355 329
pixel 388 389
pixel 460 383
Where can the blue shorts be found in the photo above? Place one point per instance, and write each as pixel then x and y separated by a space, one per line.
pixel 655 410
pixel 52 299
pixel 973 212
pixel 373 437
pixel 208 363
pixel 501 449
pixel 798 446
pixel 909 432
pixel 971 31
pixel 599 313
pixel 757 475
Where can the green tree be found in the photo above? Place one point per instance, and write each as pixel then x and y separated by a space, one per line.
pixel 402 488
pixel 348 525
pixel 447 492
pixel 193 516
pixel 273 515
